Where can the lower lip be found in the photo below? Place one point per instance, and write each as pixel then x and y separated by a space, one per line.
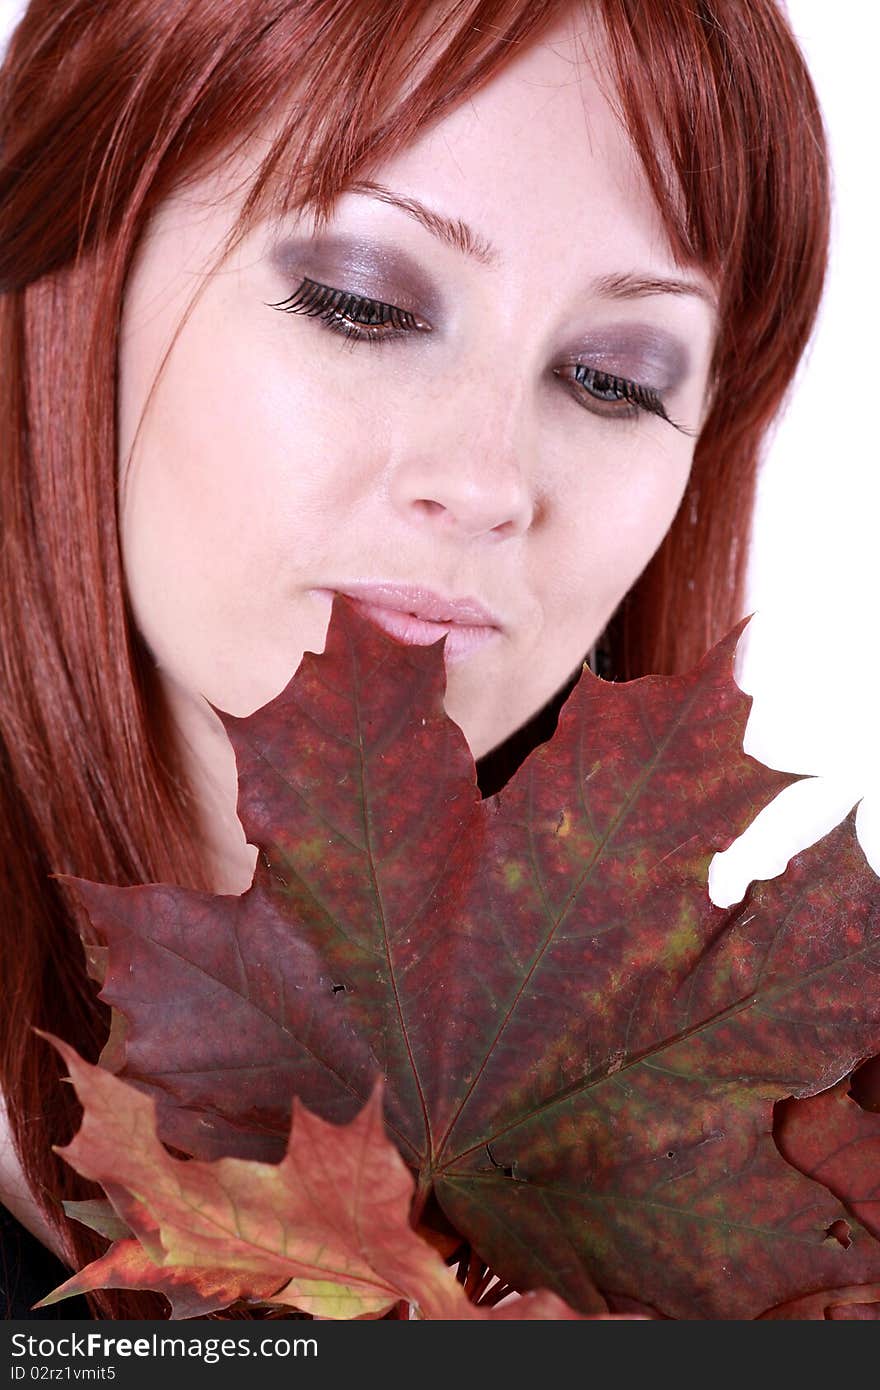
pixel 461 640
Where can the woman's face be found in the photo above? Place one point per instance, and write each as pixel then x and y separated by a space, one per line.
pixel 478 449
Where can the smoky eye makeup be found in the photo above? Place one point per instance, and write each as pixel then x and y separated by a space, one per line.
pixel 628 370
pixel 375 293
pixel 380 271
pixel 360 267
pixel 356 316
pixel 654 357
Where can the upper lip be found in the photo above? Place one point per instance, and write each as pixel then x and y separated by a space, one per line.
pixel 422 603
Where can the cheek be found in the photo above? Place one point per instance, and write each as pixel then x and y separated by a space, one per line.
pixel 233 498
pixel 622 509
pixel 604 521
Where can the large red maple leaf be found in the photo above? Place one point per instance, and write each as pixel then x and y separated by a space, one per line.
pixel 581 1053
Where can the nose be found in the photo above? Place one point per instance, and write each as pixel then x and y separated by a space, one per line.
pixel 465 468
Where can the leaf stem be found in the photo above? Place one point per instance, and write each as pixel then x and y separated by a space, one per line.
pixel 423 1191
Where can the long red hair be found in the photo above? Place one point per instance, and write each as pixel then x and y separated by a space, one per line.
pixel 103 110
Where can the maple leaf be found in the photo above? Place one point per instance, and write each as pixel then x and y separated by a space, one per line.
pixel 858 1303
pixel 832 1139
pixel 581 1052
pixel 326 1230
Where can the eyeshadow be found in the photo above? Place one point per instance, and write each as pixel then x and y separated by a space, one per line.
pixel 643 352
pixel 377 269
pixel 374 269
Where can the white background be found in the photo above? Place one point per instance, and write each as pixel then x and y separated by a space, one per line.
pixel 810 655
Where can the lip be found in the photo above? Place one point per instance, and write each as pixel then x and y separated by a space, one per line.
pixel 420 616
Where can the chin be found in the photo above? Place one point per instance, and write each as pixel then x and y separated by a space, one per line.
pixel 483 731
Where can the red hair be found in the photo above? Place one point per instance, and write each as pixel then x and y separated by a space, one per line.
pixel 104 109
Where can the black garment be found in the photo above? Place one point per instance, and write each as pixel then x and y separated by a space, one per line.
pixel 28 1271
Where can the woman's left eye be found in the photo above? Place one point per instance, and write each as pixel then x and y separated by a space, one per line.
pixel 614 396
pixel 365 320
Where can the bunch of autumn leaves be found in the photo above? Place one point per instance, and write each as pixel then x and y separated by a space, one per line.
pixel 515 1026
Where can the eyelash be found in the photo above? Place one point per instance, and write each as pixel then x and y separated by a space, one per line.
pixel 350 314
pixel 372 321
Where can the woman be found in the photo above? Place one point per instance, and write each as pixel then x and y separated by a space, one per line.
pixel 588 242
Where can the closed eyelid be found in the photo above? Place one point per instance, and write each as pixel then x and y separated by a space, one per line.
pixel 330 304
pixel 361 266
pixel 656 358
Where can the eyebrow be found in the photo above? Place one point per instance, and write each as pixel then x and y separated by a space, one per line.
pixel 457 234
pixel 632 285
pixel 451 230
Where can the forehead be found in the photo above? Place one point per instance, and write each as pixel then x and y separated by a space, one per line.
pixel 538 164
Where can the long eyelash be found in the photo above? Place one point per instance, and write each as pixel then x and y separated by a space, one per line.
pixel 352 314
pixel 644 397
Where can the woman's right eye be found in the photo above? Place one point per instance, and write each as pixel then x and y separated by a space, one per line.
pixel 362 319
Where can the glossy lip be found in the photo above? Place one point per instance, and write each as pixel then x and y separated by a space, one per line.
pixel 420 616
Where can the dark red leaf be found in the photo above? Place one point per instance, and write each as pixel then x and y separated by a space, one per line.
pixel 832 1139
pixel 581 1052
pixel 858 1303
